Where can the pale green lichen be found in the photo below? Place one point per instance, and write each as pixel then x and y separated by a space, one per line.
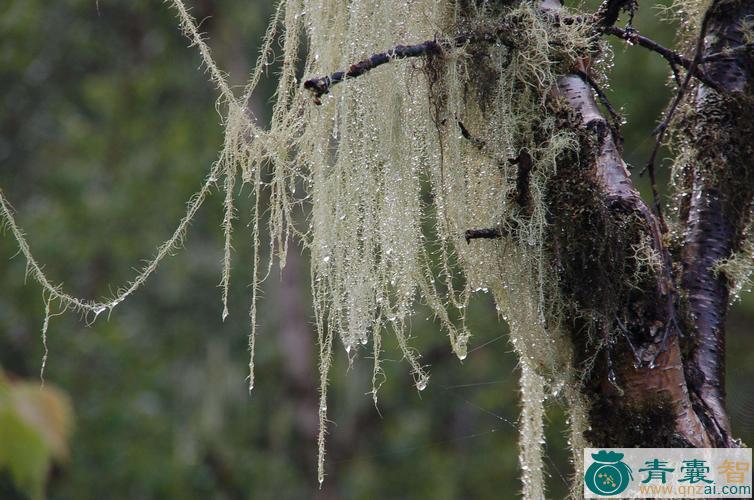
pixel 648 261
pixel 368 158
pixel 738 268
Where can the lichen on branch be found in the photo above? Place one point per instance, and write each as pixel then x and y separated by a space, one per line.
pixel 396 186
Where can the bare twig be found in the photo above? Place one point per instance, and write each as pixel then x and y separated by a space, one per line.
pixel 522 179
pixel 477 143
pixel 650 167
pixel 486 233
pixel 729 52
pixel 607 15
pixel 523 160
pixel 481 145
pixel 674 58
pixel 321 85
pixel 638 361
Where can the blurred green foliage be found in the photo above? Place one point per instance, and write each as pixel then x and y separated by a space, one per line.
pixel 106 128
pixel 34 428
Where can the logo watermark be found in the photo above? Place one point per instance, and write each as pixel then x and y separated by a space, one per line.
pixel 668 473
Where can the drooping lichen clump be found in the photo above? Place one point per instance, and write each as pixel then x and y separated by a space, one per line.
pixel 393 168
pixel 449 124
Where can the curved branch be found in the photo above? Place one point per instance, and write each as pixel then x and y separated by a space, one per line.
pixel 656 385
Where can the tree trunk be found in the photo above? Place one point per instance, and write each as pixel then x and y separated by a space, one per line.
pixel 646 308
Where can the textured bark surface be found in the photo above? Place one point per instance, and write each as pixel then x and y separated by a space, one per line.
pixel 718 132
pixel 640 376
pixel 661 383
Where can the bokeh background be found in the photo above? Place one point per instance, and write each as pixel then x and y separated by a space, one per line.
pixel 107 126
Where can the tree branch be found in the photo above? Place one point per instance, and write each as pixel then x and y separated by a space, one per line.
pixel 486 233
pixel 524 162
pixel 674 58
pixel 634 38
pixel 617 119
pixel 659 376
pixel 597 212
pixel 320 86
pixel 606 16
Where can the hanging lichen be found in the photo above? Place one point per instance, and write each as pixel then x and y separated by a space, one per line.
pixel 394 168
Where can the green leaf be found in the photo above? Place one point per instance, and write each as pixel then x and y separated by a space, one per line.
pixel 35 424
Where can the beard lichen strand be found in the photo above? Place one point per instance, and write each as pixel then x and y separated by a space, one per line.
pixel 738 267
pixel 527 297
pixel 532 427
pixel 366 214
pixel 373 181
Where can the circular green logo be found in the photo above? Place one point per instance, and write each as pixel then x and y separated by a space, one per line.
pixel 608 475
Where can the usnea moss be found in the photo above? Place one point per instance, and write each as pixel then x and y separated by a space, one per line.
pixel 366 160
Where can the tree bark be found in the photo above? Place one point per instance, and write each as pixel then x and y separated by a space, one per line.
pixel 717 131
pixel 659 381
pixel 637 389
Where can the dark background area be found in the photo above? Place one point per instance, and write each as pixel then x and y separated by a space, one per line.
pixel 107 126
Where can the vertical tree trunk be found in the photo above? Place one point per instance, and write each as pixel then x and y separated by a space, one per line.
pixel 650 322
pixel 717 134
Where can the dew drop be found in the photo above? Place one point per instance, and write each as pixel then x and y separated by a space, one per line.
pixel 462 350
